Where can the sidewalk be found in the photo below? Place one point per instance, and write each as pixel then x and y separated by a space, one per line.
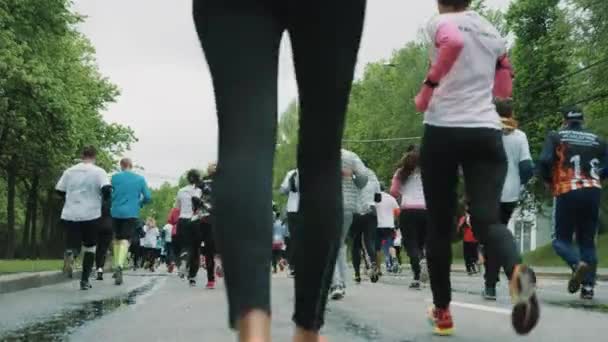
pixel 23 281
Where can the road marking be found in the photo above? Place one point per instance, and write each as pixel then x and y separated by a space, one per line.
pixel 478 307
pixel 481 308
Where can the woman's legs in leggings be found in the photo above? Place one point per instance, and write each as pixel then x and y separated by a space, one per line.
pixel 439 167
pixel 194 239
pixel 246 99
pixel 369 235
pixel 104 238
pixel 484 174
pixel 483 160
pixel 207 236
pixel 325 39
pixel 325 54
pixel 357 242
pixel 409 232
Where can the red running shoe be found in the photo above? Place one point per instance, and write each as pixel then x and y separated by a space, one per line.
pixel 441 321
pixel 210 285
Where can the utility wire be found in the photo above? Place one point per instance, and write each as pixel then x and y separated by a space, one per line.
pixel 380 140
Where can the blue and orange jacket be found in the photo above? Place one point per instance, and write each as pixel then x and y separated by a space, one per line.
pixel 573 159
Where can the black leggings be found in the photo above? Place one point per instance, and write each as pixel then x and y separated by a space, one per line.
pixel 491 269
pixel 363 230
pixel 277 254
pixel 104 239
pixel 209 249
pixel 470 252
pixel 414 225
pixel 241 39
pixel 192 236
pixel 480 153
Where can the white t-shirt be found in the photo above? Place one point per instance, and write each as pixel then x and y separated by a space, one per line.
pixel 149 241
pixel 184 200
pixel 412 192
pixel 82 185
pixel 517 150
pixel 293 199
pixel 386 211
pixel 464 96
pixel 167 229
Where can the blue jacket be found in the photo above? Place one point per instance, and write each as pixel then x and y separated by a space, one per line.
pixel 129 193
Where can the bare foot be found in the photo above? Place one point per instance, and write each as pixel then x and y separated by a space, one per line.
pixel 254 327
pixel 302 335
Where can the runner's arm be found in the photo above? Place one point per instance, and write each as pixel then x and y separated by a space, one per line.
pixel 526 165
pixel 449 43
pixel 146 194
pixel 396 185
pixel 547 157
pixel 503 81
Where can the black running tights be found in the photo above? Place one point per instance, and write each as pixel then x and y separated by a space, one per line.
pixel 240 39
pixel 414 226
pixel 480 153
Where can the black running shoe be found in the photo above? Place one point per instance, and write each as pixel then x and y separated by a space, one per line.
pixel 587 293
pixel 415 285
pixel 489 293
pixel 577 277
pixel 85 285
pixel 526 310
pixel 358 279
pixel 99 274
pixel 118 276
pixel 192 282
pixel 374 274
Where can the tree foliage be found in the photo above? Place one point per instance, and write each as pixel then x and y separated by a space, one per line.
pixel 51 98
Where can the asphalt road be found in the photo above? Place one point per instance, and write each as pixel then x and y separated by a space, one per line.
pixel 161 307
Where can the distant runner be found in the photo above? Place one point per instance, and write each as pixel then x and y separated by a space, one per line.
pixel 83 186
pixel 573 164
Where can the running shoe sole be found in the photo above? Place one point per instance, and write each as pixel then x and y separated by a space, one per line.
pixel 526 310
pixel 574 285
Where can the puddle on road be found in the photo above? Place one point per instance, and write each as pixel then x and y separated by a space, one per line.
pixel 59 326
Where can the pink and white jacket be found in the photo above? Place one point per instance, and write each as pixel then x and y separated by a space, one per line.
pixel 470 67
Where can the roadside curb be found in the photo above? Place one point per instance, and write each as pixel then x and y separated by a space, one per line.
pixel 545 274
pixel 28 281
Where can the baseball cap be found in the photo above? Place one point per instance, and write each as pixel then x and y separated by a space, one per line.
pixel 573 113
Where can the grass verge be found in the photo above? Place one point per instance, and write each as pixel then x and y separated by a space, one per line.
pixel 19 266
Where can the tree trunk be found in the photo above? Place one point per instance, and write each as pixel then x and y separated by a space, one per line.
pixel 25 237
pixel 11 185
pixel 46 218
pixel 33 243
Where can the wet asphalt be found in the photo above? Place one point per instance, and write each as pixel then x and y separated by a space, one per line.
pixel 162 307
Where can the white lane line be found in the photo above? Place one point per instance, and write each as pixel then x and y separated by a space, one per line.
pixel 479 307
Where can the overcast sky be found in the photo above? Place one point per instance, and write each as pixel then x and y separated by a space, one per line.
pixel 150 50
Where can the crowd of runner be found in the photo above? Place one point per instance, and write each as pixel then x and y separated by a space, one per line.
pixel 333 196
